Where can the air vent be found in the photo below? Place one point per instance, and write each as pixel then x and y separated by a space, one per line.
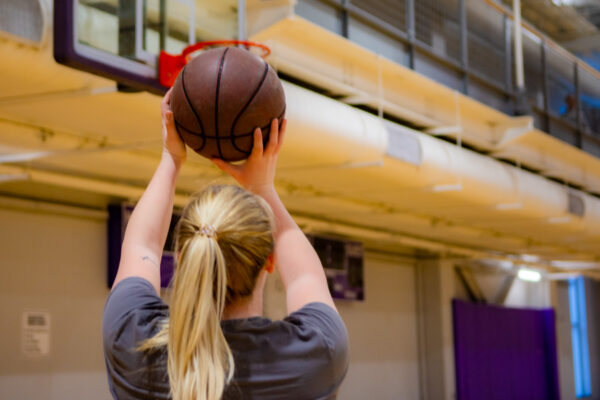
pixel 23 19
pixel 576 205
pixel 402 145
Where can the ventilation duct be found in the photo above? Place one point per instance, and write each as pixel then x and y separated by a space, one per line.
pixel 576 206
pixel 23 19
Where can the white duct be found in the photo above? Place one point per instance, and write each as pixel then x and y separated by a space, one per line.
pixel 417 160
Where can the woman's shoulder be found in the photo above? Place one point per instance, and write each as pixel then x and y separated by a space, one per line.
pixel 323 318
pixel 133 312
pixel 304 355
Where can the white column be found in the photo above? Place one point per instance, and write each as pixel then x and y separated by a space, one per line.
pixel 435 290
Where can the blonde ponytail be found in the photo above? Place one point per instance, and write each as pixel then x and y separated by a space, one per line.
pixel 223 240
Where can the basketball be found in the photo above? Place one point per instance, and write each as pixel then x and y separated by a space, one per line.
pixel 221 97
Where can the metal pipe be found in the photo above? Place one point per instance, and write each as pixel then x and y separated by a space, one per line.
pixel 520 79
pixel 242 34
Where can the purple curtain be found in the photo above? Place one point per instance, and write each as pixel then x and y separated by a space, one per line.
pixel 504 353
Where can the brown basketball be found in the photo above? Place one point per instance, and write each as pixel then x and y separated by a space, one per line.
pixel 220 97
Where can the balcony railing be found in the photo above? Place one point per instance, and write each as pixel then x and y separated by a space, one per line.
pixel 468 45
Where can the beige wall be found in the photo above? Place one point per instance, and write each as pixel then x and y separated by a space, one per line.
pixel 383 334
pixel 57 264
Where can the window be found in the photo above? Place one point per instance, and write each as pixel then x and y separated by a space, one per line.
pixel 579 339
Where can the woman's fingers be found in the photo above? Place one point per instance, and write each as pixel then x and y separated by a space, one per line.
pixel 257 148
pixel 165 103
pixel 281 135
pixel 169 118
pixel 273 136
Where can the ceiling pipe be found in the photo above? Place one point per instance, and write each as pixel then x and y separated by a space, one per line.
pixel 416 161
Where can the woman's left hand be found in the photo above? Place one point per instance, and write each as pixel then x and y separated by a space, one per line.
pixel 172 143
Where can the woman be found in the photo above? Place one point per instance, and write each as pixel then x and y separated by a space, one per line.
pixel 212 342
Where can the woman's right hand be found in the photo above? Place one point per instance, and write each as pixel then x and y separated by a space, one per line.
pixel 257 173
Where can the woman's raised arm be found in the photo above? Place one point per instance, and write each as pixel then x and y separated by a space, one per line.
pixel 148 225
pixel 299 266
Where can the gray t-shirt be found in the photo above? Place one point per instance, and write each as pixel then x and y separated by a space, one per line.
pixel 304 356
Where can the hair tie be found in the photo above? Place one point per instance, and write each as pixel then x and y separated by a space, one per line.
pixel 208 231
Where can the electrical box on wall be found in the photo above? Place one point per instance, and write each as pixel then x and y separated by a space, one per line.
pixel 343 264
pixel 118 216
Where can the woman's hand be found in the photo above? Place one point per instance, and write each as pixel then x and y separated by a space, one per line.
pixel 257 173
pixel 172 143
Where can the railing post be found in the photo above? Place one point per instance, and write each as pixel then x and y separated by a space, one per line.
pixel 411 30
pixel 242 34
pixel 164 29
pixel 507 55
pixel 545 92
pixel 578 121
pixel 508 83
pixel 464 55
pixel 345 18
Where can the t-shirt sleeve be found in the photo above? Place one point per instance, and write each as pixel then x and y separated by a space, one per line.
pixel 132 314
pixel 325 320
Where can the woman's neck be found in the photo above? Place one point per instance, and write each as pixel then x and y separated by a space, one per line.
pixel 244 308
pixel 251 306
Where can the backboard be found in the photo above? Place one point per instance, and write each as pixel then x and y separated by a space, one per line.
pixel 121 39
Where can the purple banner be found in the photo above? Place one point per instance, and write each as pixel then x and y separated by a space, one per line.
pixel 504 353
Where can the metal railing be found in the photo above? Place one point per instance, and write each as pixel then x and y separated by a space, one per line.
pixel 467 45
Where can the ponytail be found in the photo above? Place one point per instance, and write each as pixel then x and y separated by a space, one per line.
pixel 216 264
pixel 200 361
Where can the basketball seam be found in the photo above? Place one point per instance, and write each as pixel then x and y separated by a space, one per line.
pixel 256 90
pixel 196 149
pixel 187 99
pixel 237 136
pixel 247 153
pixel 221 62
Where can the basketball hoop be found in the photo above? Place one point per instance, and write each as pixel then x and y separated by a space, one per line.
pixel 169 65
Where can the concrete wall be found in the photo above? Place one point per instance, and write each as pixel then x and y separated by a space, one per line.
pixel 383 334
pixel 56 263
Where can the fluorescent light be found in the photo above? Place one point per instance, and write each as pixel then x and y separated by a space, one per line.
pixel 509 206
pixel 455 187
pixel 559 220
pixel 575 264
pixel 13 177
pixel 530 258
pixel 529 275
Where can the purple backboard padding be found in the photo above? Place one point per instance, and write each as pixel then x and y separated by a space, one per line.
pixel 64 53
pixel 341 279
pixel 117 217
pixel 504 353
pixel 167 268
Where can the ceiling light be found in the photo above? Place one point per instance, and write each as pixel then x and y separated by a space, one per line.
pixel 575 264
pixel 13 177
pixel 529 275
pixel 456 187
pixel 559 220
pixel 509 206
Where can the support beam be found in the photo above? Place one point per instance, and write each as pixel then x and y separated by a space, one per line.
pixel 475 293
pixel 435 290
pixel 504 289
